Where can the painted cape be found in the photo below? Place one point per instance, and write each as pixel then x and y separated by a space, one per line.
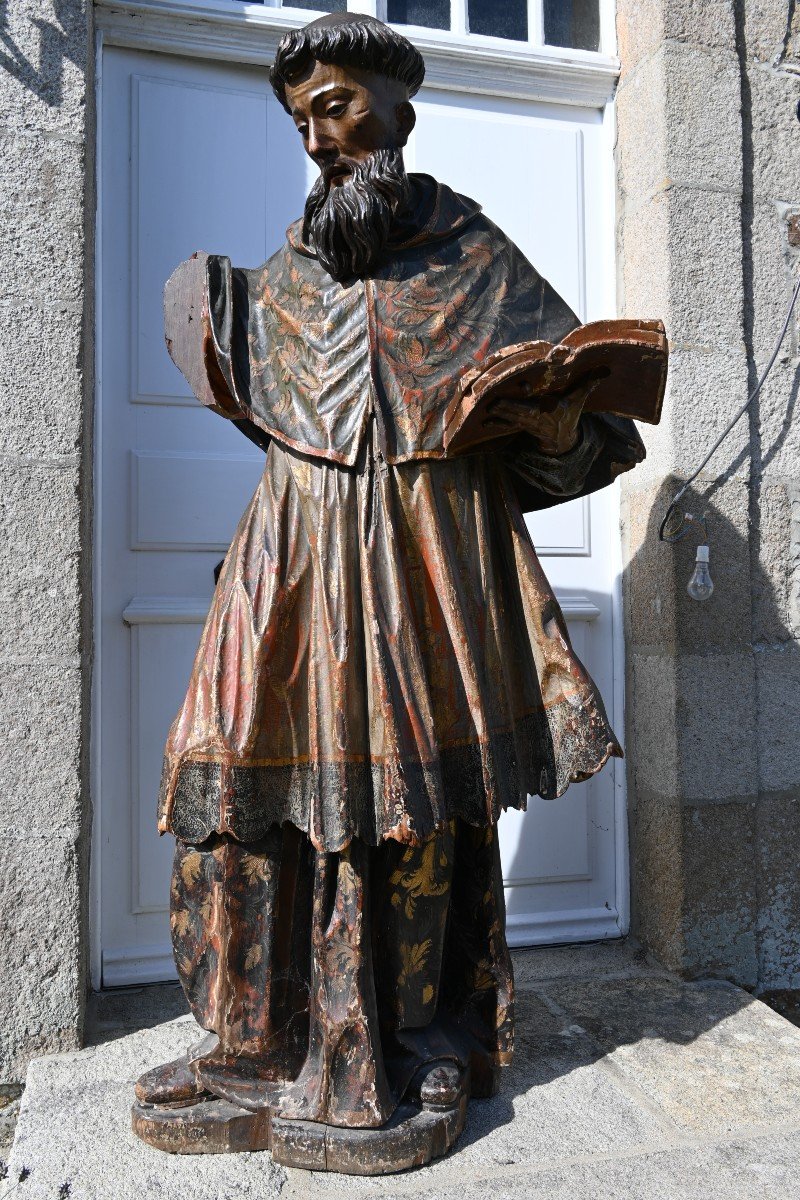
pixel 383 652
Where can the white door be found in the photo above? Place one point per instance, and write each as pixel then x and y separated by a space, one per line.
pixel 199 155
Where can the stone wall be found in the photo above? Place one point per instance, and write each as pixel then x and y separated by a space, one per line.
pixel 46 207
pixel 709 186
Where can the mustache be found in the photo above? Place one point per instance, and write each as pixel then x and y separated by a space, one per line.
pixel 348 226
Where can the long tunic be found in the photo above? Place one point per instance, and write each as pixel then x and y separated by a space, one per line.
pixel 383 652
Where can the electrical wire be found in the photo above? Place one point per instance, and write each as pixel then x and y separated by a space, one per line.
pixel 684 529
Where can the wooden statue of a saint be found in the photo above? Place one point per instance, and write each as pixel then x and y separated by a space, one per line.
pixel 384 668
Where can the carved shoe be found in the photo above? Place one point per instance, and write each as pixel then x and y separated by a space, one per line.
pixel 173 1085
pixel 439 1085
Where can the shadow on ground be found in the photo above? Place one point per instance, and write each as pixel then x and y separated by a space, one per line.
pixel 603 1036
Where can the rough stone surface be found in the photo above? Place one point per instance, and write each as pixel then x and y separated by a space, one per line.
pixel 774 622
pixel 666 619
pixel 596 960
pixel 711 1058
pixel 694 881
pixel 685 264
pixel 41 383
pixel 709 239
pixel 46 210
pixel 737 1170
pixel 715 380
pixel 95 1153
pixel 718 758
pixel 41 209
pixel 687 744
pixel 657 873
pixel 773 97
pixel 778 836
pixel 720 895
pixel 778 673
pixel 773 280
pixel 45 50
pixel 777 441
pixel 771 28
pixel 700 144
pixel 40 754
pixel 40 560
pixel 627 1082
pixel 644 25
pixel 42 996
pixel 652 745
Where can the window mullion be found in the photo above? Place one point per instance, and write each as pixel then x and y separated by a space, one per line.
pixel 536 22
pixel 607 27
pixel 458 16
pixel 373 8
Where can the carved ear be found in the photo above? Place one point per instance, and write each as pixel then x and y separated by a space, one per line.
pixel 406 120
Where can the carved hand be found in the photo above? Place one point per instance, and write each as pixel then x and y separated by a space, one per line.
pixel 553 421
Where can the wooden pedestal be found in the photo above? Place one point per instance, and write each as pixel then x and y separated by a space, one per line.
pixel 414 1136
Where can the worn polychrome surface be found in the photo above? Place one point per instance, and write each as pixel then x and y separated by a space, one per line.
pixel 384 670
pixel 383 651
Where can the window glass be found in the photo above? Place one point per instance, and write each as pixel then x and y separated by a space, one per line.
pixel 318 5
pixel 574 23
pixel 499 18
pixel 433 14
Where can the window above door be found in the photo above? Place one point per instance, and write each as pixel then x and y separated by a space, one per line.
pixel 574 24
pixel 554 50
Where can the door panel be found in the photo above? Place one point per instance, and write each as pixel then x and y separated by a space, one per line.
pixel 198 155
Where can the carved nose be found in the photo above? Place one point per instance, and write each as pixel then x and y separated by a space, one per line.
pixel 320 146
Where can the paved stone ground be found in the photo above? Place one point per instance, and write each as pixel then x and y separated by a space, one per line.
pixel 627 1083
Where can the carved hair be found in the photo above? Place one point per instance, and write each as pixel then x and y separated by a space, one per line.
pixel 347 40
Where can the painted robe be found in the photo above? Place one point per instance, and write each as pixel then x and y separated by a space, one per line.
pixel 384 651
pixel 383 670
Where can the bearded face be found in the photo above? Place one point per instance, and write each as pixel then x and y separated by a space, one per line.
pixel 348 223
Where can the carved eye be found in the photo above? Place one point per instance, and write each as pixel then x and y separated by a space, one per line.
pixel 335 110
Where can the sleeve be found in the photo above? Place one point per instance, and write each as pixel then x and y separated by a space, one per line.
pixel 228 352
pixel 607 447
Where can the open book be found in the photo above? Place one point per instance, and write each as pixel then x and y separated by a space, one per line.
pixel 624 361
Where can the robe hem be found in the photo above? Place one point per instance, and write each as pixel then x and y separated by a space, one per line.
pixel 333 803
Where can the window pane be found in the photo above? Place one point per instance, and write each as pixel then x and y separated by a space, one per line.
pixel 499 18
pixel 319 5
pixel 574 23
pixel 434 14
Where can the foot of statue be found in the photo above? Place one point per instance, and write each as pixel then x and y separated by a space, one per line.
pixel 173 1084
pixel 424 1126
pixel 439 1085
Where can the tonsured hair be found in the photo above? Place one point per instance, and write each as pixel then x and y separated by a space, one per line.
pixel 347 40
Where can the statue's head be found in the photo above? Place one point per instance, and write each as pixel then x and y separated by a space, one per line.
pixel 346 80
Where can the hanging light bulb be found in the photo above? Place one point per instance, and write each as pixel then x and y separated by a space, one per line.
pixel 700 585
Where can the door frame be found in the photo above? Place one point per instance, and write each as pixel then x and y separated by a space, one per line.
pixel 229 31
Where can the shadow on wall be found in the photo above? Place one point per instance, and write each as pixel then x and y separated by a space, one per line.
pixel 714 883
pixel 57 42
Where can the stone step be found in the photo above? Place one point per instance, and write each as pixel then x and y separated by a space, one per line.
pixel 626 1082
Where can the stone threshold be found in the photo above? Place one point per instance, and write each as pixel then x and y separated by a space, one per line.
pixel 627 1082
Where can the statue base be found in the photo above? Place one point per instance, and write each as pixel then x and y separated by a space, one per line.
pixel 414 1136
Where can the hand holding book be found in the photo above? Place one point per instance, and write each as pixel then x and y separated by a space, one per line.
pixel 552 420
pixel 616 367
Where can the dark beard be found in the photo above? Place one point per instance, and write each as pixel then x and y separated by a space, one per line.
pixel 348 226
